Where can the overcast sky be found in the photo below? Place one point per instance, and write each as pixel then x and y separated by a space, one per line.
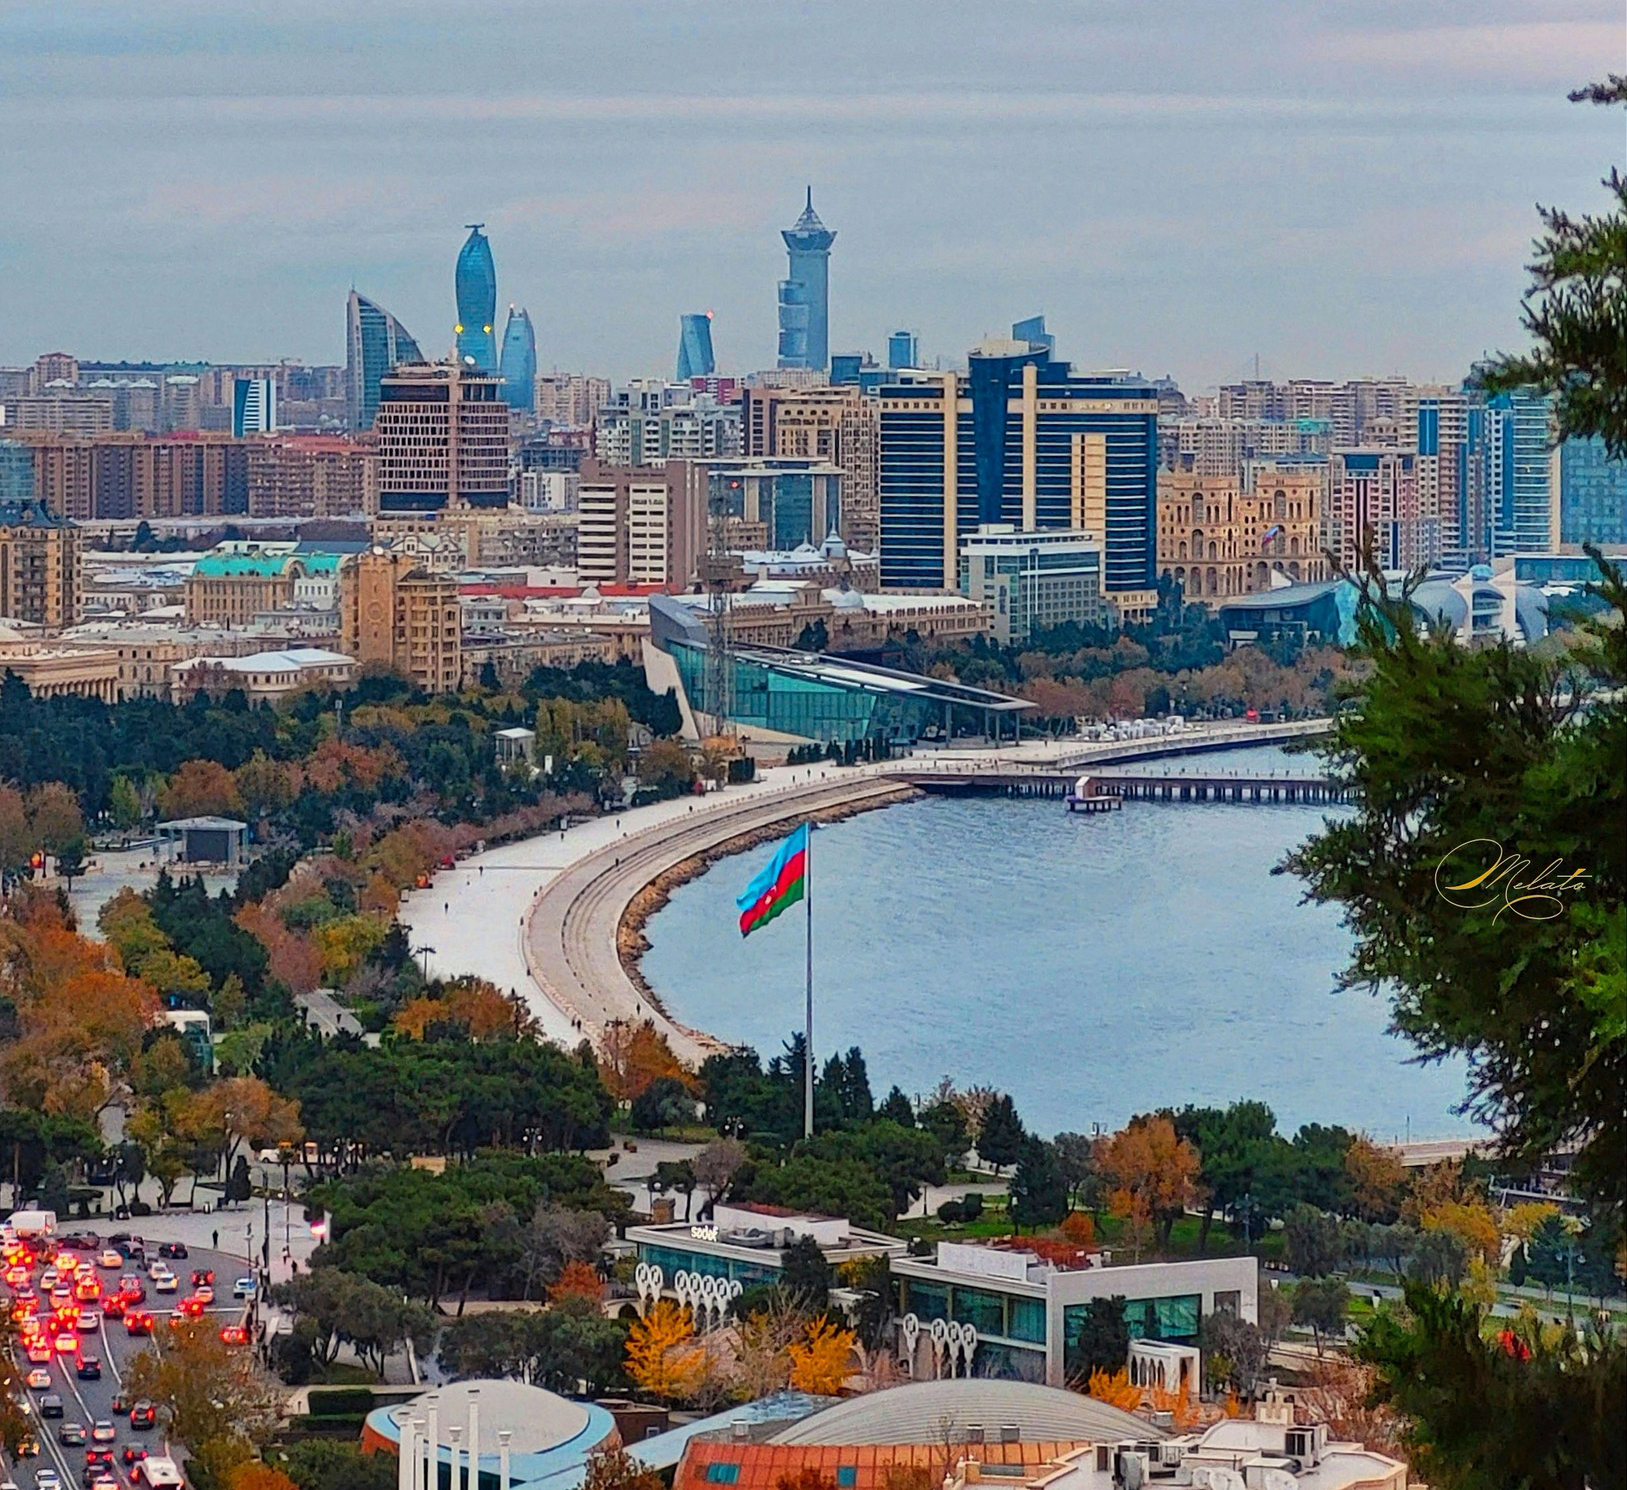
pixel 1338 188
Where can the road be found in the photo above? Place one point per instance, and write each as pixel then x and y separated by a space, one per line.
pixel 87 1402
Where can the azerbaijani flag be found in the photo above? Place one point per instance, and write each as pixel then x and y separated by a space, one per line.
pixel 1274 531
pixel 780 885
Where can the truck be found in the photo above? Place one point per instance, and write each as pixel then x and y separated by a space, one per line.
pixel 32 1224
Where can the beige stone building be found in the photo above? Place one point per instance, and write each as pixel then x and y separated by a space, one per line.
pixel 395 615
pixel 114 476
pixel 311 476
pixel 40 575
pixel 838 424
pixel 1216 540
pixel 54 671
pixel 641 525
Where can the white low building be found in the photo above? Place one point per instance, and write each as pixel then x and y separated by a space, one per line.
pixel 262 675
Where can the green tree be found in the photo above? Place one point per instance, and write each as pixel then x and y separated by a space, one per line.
pixel 1099 1341
pixel 826 1187
pixel 1039 1193
pixel 1321 1303
pixel 325 1464
pixel 123 804
pixel 70 860
pixel 1313 1243
pixel 897 1108
pixel 805 1275
pixel 1000 1139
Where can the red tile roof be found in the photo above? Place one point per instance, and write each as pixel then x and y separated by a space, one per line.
pixel 762 1466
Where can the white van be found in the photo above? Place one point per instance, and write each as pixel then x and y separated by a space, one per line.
pixel 33 1224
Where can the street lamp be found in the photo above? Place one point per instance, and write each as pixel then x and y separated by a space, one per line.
pixel 426 953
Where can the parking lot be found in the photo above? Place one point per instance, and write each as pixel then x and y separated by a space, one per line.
pixel 108 1341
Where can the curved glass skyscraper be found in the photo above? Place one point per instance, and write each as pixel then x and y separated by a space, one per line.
pixel 695 346
pixel 475 281
pixel 375 342
pixel 519 366
pixel 805 293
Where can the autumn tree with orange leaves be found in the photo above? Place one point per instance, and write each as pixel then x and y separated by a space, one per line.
pixel 633 1057
pixel 1152 1176
pixel 471 1004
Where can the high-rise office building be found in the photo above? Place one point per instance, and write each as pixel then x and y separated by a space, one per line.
pixel 443 438
pixel 1024 440
pixel 1517 476
pixel 837 424
pixel 1435 424
pixel 804 304
pixel 519 364
pixel 1592 493
pixel 375 344
pixel 695 358
pixel 641 525
pixel 570 398
pixel 1034 333
pixel 254 406
pixel 1373 506
pixel 902 351
pixel 16 471
pixel 475 284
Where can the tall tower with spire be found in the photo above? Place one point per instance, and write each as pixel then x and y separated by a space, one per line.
pixel 805 293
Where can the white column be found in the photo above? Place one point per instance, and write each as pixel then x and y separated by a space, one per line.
pixel 404 1464
pixel 418 1440
pixel 474 1438
pixel 503 1436
pixel 455 1434
pixel 432 1447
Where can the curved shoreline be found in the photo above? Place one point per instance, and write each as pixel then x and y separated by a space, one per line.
pixel 632 943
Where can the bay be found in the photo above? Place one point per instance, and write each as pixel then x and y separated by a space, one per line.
pixel 1094 967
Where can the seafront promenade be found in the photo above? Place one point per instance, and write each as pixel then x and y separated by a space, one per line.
pixel 542 916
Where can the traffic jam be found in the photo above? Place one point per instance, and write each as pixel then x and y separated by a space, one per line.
pixel 81 1308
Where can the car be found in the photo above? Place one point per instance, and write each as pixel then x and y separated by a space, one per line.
pixel 156 1266
pixel 132 1289
pixel 16 1275
pixel 173 1249
pixel 202 1276
pixel 67 1343
pixel 103 1431
pixel 113 1307
pixel 192 1306
pixel 29 1448
pixel 95 1458
pixel 88 1369
pixel 67 1263
pixel 205 1294
pixel 39 1380
pixel 166 1283
pixel 50 1405
pixel 89 1321
pixel 244 1288
pixel 44 1479
pixel 48 1280
pixel 133 1453
pixel 111 1259
pixel 104 1482
pixel 62 1294
pixel 234 1334
pixel 39 1351
pixel 87 1290
pixel 71 1435
pixel 24 1309
pixel 137 1322
pixel 143 1415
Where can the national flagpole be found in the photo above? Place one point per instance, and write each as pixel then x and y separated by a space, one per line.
pixel 807 1052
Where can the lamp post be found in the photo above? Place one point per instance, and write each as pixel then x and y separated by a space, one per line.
pixel 426 953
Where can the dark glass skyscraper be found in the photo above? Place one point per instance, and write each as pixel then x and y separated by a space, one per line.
pixel 805 293
pixel 375 342
pixel 695 346
pixel 519 365
pixel 1020 439
pixel 475 282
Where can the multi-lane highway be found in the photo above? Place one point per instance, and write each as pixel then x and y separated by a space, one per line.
pixel 87 1403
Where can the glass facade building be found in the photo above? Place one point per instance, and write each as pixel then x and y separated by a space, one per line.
pixel 804 300
pixel 16 471
pixel 1019 439
pixel 1516 473
pixel 902 350
pixel 375 344
pixel 519 364
pixel 1592 493
pixel 695 358
pixel 474 282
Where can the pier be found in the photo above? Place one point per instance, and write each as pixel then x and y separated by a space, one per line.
pixel 1092 793
pixel 1298 790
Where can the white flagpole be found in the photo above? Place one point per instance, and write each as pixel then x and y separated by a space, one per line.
pixel 808 1051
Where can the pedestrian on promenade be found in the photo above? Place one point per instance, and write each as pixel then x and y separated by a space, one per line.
pixel 214 1240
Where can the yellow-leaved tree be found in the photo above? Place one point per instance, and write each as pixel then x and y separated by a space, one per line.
pixel 822 1359
pixel 663 1357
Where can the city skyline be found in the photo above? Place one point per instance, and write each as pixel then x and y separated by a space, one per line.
pixel 965 198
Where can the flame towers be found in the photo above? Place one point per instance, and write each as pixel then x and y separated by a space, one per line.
pixel 519 365
pixel 805 293
pixel 475 281
pixel 375 342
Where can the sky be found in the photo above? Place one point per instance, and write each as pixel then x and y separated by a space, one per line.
pixel 1334 188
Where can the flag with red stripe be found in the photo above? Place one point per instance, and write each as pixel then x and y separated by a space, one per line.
pixel 780 885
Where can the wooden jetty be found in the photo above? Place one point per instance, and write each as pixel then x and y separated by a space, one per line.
pixel 1092 793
